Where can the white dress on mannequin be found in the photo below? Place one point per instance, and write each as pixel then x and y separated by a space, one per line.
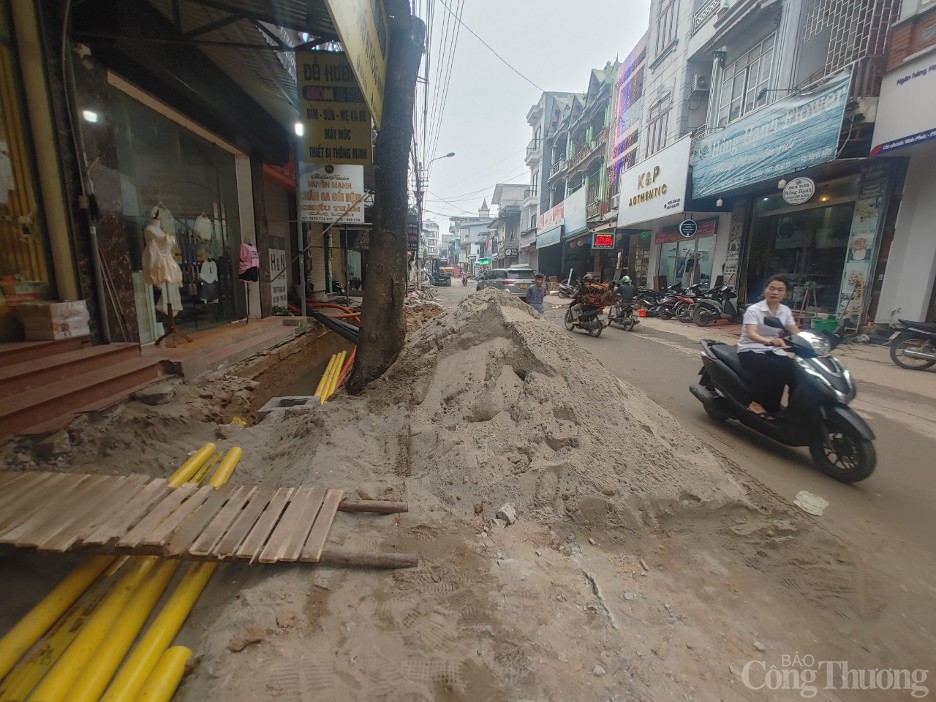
pixel 159 266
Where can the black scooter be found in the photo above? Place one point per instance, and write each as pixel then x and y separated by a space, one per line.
pixel 818 415
pixel 914 345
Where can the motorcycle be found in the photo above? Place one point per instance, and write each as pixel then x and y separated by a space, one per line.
pixel 914 346
pixel 465 281
pixel 818 415
pixel 708 310
pixel 588 319
pixel 622 313
pixel 567 289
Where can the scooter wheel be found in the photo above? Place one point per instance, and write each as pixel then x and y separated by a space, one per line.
pixel 568 321
pixel 841 452
pixel 628 323
pixel 596 328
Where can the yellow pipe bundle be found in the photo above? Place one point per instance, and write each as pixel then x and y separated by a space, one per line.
pixel 333 378
pixel 162 684
pixel 320 388
pixel 78 632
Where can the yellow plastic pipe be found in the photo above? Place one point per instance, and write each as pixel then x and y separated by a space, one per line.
pixel 320 388
pixel 94 679
pixel 188 469
pixel 333 379
pixel 162 684
pixel 142 661
pixel 140 667
pixel 41 617
pixel 223 474
pixel 59 680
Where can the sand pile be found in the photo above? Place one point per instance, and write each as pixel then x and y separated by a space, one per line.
pixel 490 404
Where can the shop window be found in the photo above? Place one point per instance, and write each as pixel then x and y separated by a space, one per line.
pixel 688 262
pixel 194 182
pixel 745 82
pixel 657 128
pixel 666 26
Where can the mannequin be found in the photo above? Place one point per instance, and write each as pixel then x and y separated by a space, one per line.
pixel 208 277
pixel 160 268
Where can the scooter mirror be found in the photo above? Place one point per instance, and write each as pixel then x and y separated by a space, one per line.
pixel 773 322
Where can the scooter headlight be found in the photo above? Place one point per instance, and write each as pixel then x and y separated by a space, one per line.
pixel 819 343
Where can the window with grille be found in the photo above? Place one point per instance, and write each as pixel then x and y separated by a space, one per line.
pixel 745 82
pixel 857 28
pixel 657 127
pixel 666 26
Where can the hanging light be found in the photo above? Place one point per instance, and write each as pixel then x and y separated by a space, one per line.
pixel 299 128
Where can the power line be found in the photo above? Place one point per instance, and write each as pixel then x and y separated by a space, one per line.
pixel 491 49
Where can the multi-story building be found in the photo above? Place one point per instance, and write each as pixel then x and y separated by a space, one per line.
pixel 473 234
pixel 430 240
pixel 774 107
pixel 505 228
pixel 906 127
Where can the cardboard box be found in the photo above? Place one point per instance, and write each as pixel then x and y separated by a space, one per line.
pixel 52 321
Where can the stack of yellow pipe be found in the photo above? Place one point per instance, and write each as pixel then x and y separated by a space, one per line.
pixel 82 652
pixel 329 381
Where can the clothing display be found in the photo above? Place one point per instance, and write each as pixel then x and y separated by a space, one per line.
pixel 166 219
pixel 208 286
pixel 160 268
pixel 249 267
pixel 204 229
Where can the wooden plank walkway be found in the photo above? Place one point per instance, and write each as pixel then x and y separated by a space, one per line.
pixel 139 515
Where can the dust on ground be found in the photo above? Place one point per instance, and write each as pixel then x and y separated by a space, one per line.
pixel 641 565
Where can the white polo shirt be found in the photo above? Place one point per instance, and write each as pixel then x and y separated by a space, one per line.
pixel 755 315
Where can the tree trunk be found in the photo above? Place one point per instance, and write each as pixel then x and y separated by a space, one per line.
pixel 382 325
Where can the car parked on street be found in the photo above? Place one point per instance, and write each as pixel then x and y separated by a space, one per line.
pixel 515 280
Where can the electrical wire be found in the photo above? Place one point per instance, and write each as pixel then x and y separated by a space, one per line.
pixel 491 49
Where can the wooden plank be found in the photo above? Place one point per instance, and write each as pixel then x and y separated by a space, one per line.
pixel 312 551
pixel 204 544
pixel 159 536
pixel 111 505
pixel 265 524
pixel 8 477
pixel 242 525
pixel 38 501
pixel 95 510
pixel 285 543
pixel 129 514
pixel 196 523
pixel 378 506
pixel 16 502
pixel 338 557
pixel 18 488
pixel 160 511
pixel 81 499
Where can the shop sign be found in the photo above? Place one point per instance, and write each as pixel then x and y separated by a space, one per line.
pixel 656 187
pixel 336 121
pixel 362 27
pixel 549 238
pixel 906 113
pixel 688 228
pixel 667 235
pixel 329 193
pixel 789 135
pixel 603 240
pixel 412 237
pixel 278 282
pixel 799 191
pixel 551 219
pixel 575 219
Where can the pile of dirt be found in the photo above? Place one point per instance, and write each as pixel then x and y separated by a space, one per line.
pixel 418 312
pixel 489 404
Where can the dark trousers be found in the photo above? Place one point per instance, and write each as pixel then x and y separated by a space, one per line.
pixel 770 374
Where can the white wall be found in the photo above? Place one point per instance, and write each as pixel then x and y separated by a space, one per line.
pixel 911 265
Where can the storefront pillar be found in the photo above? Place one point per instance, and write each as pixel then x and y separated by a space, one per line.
pixel 262 229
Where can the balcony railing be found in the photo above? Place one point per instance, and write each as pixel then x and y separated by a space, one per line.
pixel 558 166
pixel 530 192
pixel 533 147
pixel 704 14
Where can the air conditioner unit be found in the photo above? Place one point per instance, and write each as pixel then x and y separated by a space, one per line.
pixel 615 201
pixel 701 84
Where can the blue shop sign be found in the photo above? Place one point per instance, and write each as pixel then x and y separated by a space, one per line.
pixel 553 236
pixel 688 228
pixel 787 136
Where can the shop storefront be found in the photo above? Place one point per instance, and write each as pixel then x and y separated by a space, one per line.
pixel 190 181
pixel 576 239
pixel 549 253
pixel 687 260
pixel 634 255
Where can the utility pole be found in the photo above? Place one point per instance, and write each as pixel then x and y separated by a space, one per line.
pixel 383 329
pixel 419 207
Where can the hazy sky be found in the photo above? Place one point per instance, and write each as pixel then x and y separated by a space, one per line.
pixel 554 44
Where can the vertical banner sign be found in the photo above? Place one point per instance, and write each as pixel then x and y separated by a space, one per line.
pixel 362 27
pixel 863 244
pixel 334 114
pixel 412 237
pixel 735 235
pixel 278 286
pixel 327 192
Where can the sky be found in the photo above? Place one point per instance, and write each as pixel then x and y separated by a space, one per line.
pixel 483 116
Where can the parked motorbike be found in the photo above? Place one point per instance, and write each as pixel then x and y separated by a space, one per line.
pixel 818 415
pixel 708 310
pixel 685 308
pixel 589 319
pixel 914 346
